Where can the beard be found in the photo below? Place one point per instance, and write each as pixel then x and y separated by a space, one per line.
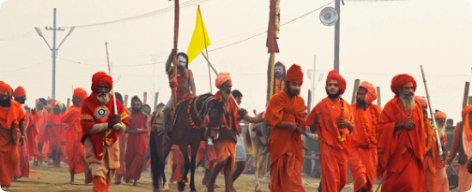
pixel 226 95
pixel 408 100
pixel 136 110
pixel 332 96
pixel 442 130
pixel 5 103
pixel 104 98
pixel 278 74
pixel 180 68
pixel 360 103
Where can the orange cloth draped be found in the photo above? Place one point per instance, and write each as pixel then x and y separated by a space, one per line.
pixel 225 149
pixel 31 133
pixel 334 153
pixel 55 121
pixel 362 158
pixel 74 148
pixel 401 153
pixel 201 152
pixel 23 167
pixel 282 180
pixel 42 133
pixel 285 146
pixel 136 149
pixel 122 142
pixel 465 178
pixel 210 155
pixel 9 156
pixel 176 158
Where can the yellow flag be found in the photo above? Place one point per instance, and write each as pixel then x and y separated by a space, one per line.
pixel 200 39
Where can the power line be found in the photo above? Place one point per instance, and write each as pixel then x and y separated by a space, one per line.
pixel 14 70
pixel 103 65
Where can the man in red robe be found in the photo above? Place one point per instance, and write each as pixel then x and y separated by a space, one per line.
pixel 55 128
pixel 42 133
pixel 11 118
pixel 333 119
pixel 401 139
pixel 23 167
pixel 120 172
pixel 136 148
pixel 225 143
pixel 32 132
pixel 441 181
pixel 74 148
pixel 363 153
pixel 100 128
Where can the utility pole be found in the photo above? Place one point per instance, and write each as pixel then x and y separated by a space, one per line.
pixel 54 49
pixel 336 36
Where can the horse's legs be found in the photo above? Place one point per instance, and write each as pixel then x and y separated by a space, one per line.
pixel 155 163
pixel 187 166
pixel 193 166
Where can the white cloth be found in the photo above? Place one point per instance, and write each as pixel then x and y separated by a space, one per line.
pixel 240 150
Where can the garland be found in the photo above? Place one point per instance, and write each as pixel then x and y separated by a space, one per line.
pixel 371 133
pixel 228 122
pixel 429 131
pixel 277 87
pixel 190 115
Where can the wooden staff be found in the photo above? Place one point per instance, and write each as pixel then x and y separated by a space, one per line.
pixel 145 98
pixel 466 94
pixel 433 119
pixel 176 38
pixel 126 101
pixel 470 100
pixel 68 102
pixel 309 102
pixel 379 103
pixel 357 82
pixel 155 99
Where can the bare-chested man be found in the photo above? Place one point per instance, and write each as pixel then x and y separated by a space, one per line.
pixel 185 83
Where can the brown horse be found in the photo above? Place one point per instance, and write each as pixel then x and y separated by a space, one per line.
pixel 188 128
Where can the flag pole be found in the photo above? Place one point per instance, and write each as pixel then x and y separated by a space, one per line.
pixel 206 49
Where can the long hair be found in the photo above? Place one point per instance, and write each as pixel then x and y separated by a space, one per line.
pixel 185 56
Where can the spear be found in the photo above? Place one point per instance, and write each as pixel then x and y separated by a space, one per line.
pixel 433 124
pixel 109 72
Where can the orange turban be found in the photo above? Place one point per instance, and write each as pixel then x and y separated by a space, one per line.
pixel 440 115
pixel 5 87
pixel 295 73
pixel 371 93
pixel 400 80
pixel 80 93
pixel 333 75
pixel 421 100
pixel 19 92
pixel 222 78
pixel 465 116
pixel 99 78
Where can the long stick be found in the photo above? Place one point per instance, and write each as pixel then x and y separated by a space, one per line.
pixel 466 94
pixel 109 72
pixel 433 123
pixel 381 182
pixel 357 82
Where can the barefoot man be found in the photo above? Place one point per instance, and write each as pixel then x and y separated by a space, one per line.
pixel 11 118
pixel 441 182
pixel 401 139
pixel 225 142
pixel 100 128
pixel 74 148
pixel 23 167
pixel 363 154
pixel 462 144
pixel 136 148
pixel 286 115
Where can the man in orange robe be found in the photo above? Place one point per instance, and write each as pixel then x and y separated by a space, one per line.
pixel 120 172
pixel 462 144
pixel 401 139
pixel 286 115
pixel 136 148
pixel 74 148
pixel 55 129
pixel 11 118
pixel 23 167
pixel 441 181
pixel 100 128
pixel 363 153
pixel 225 143
pixel 35 134
pixel 333 119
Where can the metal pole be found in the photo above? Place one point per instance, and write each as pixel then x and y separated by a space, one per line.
pixel 336 36
pixel 54 58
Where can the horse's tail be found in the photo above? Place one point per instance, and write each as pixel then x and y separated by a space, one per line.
pixel 248 139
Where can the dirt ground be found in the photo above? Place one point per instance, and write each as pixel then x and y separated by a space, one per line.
pixel 56 179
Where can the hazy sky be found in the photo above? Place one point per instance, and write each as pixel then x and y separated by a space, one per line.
pixel 378 41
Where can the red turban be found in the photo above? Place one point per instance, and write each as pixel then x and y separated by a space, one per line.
pixel 222 78
pixel 422 101
pixel 80 93
pixel 99 78
pixel 19 92
pixel 371 93
pixel 333 75
pixel 440 115
pixel 400 80
pixel 295 73
pixel 5 87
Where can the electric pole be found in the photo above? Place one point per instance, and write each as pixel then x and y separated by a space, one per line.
pixel 336 36
pixel 53 49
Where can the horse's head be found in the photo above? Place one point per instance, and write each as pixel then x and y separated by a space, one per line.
pixel 215 113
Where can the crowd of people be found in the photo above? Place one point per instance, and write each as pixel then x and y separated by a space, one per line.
pixel 100 137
